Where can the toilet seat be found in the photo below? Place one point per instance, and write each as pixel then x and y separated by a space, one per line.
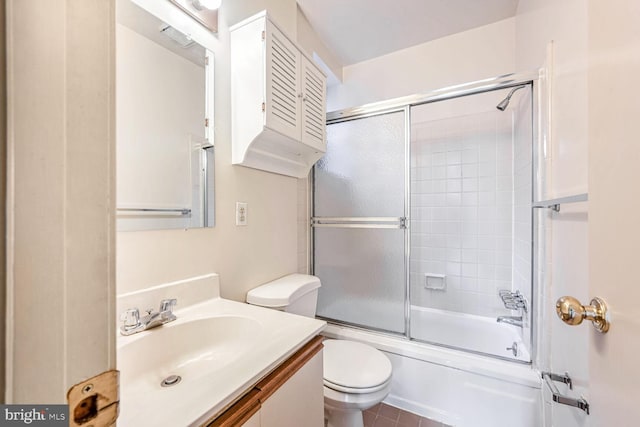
pixel 353 390
pixel 353 367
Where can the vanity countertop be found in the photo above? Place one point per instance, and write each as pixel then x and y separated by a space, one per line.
pixel 219 348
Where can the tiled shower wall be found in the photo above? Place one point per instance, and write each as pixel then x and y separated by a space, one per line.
pixel 462 198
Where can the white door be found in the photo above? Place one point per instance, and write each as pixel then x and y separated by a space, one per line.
pixel 614 208
pixel 604 366
pixel 60 204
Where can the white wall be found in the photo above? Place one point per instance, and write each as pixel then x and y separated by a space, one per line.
pixel 465 57
pixel 565 23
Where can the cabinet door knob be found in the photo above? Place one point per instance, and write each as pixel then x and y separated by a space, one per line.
pixel 572 312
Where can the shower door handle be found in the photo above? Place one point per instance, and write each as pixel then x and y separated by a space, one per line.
pixel 359 222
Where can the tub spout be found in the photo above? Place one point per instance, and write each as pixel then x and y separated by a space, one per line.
pixel 510 320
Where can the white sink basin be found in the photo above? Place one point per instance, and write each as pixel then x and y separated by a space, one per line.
pixel 189 349
pixel 219 348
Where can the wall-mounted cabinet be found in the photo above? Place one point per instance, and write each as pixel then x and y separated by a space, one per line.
pixel 278 100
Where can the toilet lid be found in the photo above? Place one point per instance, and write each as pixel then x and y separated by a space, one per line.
pixel 354 367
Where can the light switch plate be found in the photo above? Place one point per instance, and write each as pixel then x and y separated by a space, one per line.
pixel 241 213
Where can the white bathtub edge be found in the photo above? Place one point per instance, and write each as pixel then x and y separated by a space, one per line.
pixel 522 374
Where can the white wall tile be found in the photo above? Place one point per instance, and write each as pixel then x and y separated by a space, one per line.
pixel 469 156
pixel 470 270
pixel 469 242
pixel 470 194
pixel 439 159
pixel 486 271
pixel 469 199
pixel 470 170
pixel 454 199
pixel 453 268
pixel 454 171
pixel 454 157
pixel 454 185
pixel 486 257
pixel 439 172
pixel 469 255
pixel 486 169
pixel 454 241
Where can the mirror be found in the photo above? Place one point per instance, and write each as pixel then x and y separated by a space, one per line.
pixel 165 154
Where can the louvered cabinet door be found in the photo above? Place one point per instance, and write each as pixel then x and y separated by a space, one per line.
pixel 283 109
pixel 313 105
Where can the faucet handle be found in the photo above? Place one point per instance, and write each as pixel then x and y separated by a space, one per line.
pixel 168 304
pixel 130 318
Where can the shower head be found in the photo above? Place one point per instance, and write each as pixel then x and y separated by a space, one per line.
pixel 505 102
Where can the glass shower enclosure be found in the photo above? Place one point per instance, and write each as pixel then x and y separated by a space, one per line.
pixel 422 222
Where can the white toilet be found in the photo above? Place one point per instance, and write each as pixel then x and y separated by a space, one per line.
pixel 356 376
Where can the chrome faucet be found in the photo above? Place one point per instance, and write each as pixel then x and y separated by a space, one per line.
pixel 510 320
pixel 133 323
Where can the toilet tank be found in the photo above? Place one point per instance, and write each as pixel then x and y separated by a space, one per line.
pixel 295 293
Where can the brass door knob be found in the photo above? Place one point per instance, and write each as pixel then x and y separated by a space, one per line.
pixel 571 312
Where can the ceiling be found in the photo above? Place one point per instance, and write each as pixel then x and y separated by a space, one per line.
pixel 357 30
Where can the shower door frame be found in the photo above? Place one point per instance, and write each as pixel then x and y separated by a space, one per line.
pixel 404 104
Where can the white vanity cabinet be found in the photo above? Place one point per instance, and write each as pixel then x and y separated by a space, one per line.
pixel 299 401
pixel 292 395
pixel 278 100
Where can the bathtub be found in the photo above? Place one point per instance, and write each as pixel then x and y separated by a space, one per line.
pixel 455 387
pixel 466 331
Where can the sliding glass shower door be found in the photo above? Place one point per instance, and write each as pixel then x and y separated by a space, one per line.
pixel 359 230
pixel 422 220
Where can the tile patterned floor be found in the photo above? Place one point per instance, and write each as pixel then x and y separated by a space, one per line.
pixel 383 415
